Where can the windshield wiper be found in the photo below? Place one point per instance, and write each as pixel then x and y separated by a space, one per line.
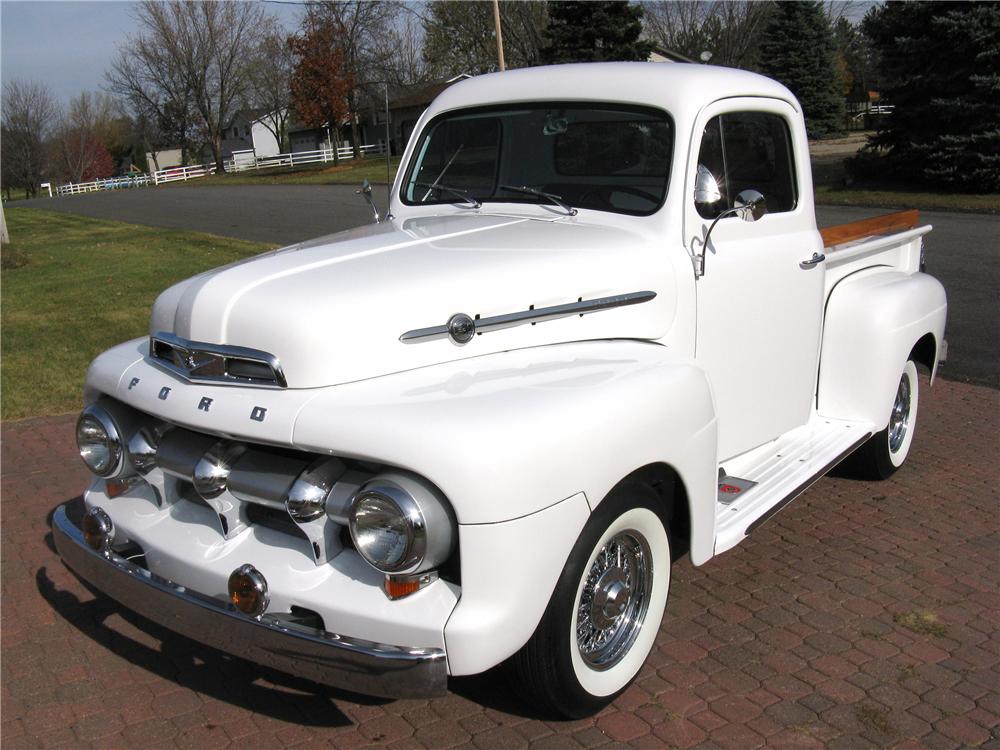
pixel 557 199
pixel 463 194
pixel 445 169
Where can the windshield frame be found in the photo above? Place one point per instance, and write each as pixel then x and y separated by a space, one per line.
pixel 421 141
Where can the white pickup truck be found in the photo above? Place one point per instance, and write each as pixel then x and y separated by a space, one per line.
pixel 597 329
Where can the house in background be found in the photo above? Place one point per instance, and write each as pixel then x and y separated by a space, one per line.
pixel 164 158
pixel 405 109
pixel 252 130
pixel 662 55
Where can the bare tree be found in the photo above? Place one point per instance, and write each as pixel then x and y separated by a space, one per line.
pixel 29 116
pixel 192 52
pixel 365 28
pixel 270 69
pixel 729 32
pixel 460 36
pixel 154 85
pixel 406 65
pixel 89 131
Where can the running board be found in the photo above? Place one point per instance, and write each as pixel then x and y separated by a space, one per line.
pixel 777 473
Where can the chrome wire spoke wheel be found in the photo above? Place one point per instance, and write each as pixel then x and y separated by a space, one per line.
pixel 899 420
pixel 614 600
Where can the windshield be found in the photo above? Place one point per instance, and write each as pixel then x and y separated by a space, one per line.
pixel 562 155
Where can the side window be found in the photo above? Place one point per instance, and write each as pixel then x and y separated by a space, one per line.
pixel 749 150
pixel 711 157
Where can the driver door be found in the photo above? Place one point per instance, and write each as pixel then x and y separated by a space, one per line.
pixel 759 302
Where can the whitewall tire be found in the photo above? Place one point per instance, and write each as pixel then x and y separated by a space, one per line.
pixel 604 616
pixel 885 452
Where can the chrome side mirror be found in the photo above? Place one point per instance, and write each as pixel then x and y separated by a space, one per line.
pixel 749 206
pixel 706 187
pixel 366 191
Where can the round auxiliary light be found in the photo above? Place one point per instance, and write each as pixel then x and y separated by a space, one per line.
pixel 98 530
pixel 248 590
pixel 388 528
pixel 306 499
pixel 98 440
pixel 142 451
pixel 211 473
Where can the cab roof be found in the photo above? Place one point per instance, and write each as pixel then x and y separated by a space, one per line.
pixel 679 88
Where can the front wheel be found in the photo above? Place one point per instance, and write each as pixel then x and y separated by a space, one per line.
pixel 887 450
pixel 605 612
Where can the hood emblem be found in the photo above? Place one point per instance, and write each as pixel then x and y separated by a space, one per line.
pixel 215 363
pixel 461 328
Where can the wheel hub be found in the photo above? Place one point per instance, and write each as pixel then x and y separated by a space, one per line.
pixel 614 600
pixel 611 597
pixel 899 420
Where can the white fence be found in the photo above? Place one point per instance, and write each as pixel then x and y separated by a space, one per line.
pixel 110 183
pixel 243 161
pixel 178 174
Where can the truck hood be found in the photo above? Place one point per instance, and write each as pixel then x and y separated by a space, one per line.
pixel 332 310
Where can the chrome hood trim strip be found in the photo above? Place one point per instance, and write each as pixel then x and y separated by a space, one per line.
pixel 509 320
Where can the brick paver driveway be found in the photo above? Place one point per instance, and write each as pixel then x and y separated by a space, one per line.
pixel 862 615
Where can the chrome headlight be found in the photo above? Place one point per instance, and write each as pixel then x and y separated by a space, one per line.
pixel 400 524
pixel 99 441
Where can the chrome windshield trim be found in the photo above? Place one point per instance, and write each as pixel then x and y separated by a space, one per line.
pixel 329 658
pixel 509 320
pixel 190 356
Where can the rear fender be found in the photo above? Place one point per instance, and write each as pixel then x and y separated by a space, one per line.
pixel 874 319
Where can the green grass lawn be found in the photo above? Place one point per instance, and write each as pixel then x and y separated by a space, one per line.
pixel 349 172
pixel 74 286
pixel 987 203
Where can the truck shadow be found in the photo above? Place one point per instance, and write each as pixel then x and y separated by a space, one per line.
pixel 200 668
pixel 229 678
pixel 492 690
pixel 192 665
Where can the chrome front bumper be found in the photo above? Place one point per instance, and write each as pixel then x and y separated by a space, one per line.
pixel 348 663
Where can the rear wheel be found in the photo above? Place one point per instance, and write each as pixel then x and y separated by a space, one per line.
pixel 886 451
pixel 605 612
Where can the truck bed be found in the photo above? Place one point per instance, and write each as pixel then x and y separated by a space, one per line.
pixel 842 234
pixel 893 240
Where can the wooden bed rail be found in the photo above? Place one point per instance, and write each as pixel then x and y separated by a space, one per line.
pixel 897 222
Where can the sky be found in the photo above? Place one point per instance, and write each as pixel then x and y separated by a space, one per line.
pixel 69 45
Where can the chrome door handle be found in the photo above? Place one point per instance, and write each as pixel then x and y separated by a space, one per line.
pixel 816 259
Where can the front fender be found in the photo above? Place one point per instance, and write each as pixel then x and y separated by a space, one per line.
pixel 874 318
pixel 509 434
pixel 525 444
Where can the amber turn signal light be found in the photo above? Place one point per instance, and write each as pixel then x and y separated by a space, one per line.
pixel 248 590
pixel 397 587
pixel 115 487
pixel 98 531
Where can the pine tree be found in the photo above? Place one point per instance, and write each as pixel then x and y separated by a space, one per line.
pixel 799 50
pixel 939 64
pixel 597 31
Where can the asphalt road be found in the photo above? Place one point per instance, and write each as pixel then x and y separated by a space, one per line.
pixel 961 251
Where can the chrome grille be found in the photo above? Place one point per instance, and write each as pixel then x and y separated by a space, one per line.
pixel 215 363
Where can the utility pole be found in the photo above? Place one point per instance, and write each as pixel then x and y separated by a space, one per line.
pixel 496 23
pixel 388 172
